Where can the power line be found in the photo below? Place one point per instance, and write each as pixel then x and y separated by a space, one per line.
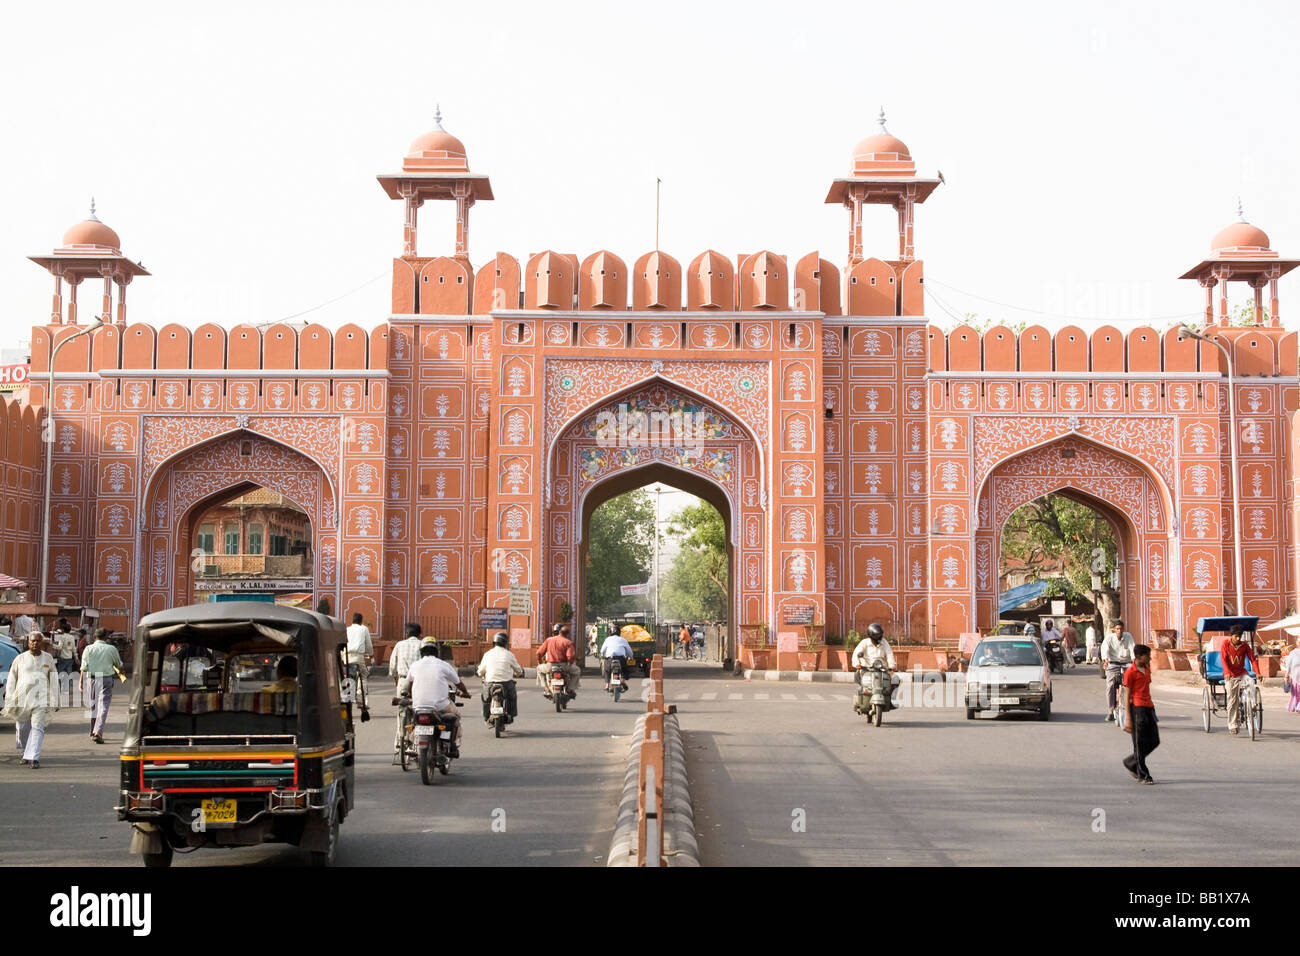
pixel 1058 315
pixel 333 300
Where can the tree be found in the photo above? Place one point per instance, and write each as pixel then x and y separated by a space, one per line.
pixel 620 551
pixel 696 586
pixel 1058 538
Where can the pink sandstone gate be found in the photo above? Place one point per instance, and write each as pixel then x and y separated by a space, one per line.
pixel 865 439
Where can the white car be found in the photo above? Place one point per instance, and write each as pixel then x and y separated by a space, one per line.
pixel 1009 673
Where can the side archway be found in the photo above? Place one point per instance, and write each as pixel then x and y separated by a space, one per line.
pixel 188 483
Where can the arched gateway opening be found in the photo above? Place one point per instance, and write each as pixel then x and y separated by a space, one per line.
pixel 197 487
pixel 655 431
pixel 1120 489
pixel 632 479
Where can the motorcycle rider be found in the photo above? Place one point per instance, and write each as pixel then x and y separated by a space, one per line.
pixel 873 648
pixel 558 651
pixel 500 666
pixel 615 646
pixel 429 682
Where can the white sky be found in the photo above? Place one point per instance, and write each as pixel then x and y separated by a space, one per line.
pixel 1090 152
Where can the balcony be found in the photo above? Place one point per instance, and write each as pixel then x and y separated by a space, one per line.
pixel 256 565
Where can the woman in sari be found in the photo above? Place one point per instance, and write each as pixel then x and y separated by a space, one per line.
pixel 1291 669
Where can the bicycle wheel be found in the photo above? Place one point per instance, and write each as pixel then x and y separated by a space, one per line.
pixel 405 756
pixel 1207 706
pixel 1256 713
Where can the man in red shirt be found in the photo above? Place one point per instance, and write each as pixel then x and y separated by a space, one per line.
pixel 1234 654
pixel 1141 712
pixel 558 651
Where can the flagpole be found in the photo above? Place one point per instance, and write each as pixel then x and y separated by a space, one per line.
pixel 657 182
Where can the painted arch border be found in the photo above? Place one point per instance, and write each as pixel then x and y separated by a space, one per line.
pixel 737 420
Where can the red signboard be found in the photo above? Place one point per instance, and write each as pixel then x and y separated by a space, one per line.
pixel 14 376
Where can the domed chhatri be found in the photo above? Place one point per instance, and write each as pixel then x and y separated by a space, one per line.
pixel 882 153
pixel 91 234
pixel 436 150
pixel 1241 238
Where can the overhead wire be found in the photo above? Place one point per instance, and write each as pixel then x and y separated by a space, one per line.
pixel 1059 315
pixel 337 298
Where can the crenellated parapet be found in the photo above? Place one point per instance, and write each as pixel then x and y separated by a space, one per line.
pixel 657 282
pixel 1256 351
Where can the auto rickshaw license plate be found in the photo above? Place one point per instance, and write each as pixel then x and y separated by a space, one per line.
pixel 220 811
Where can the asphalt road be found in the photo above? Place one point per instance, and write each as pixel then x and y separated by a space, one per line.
pixel 930 787
pixel 554 779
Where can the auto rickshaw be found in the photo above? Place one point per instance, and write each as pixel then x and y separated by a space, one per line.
pixel 239 731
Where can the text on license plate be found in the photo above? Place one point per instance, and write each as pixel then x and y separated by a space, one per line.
pixel 498 709
pixel 1006 700
pixel 445 735
pixel 425 731
pixel 220 811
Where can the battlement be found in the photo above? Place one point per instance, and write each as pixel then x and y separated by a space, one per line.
pixel 1256 350
pixel 656 282
pixel 210 347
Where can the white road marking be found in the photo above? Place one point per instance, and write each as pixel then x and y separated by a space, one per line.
pixel 539 852
pixel 760 697
pixel 789 697
pixel 814 696
pixel 735 697
pixel 709 696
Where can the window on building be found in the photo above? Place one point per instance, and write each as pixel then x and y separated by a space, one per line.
pixel 206 541
pixel 254 539
pixel 232 542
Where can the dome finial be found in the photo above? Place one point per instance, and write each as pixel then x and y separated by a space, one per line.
pixel 437 116
pixel 92 209
pixel 1241 215
pixel 881 120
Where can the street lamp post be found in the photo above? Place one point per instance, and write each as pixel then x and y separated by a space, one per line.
pixel 49 452
pixel 1186 331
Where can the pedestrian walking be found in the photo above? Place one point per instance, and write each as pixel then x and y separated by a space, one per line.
pixel 1090 640
pixel 100 666
pixel 360 652
pixel 1069 638
pixel 66 659
pixel 1141 712
pixel 1291 678
pixel 31 698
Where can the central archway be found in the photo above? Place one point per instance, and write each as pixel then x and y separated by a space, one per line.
pixel 631 479
pixel 635 437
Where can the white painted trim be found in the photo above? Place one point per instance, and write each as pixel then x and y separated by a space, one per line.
pixel 238 373
pixel 658 315
pixel 1101 377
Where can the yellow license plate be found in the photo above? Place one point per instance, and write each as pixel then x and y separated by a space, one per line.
pixel 219 811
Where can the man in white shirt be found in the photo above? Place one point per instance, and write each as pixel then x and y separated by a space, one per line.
pixel 406 653
pixel 31 698
pixel 1090 639
pixel 499 666
pixel 615 646
pixel 1116 655
pixel 429 682
pixel 360 647
pixel 871 649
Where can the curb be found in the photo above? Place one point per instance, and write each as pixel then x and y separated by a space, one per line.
pixel 680 846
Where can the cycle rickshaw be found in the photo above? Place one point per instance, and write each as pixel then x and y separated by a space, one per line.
pixel 1214 692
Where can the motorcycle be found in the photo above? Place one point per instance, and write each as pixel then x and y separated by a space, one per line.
pixel 435 738
pixel 557 689
pixel 1055 655
pixel 616 677
pixel 875 692
pixel 498 712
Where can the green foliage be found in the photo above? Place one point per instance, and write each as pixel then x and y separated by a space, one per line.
pixel 1057 534
pixel 1244 314
pixel 982 323
pixel 566 611
pixel 695 587
pixel 620 551
pixel 323 606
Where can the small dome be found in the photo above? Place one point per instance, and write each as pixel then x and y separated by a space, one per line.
pixel 92 232
pixel 437 150
pixel 881 146
pixel 1240 236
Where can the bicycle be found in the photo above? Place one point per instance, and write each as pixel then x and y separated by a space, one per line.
pixel 1250 706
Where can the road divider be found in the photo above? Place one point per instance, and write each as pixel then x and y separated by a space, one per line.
pixel 655 824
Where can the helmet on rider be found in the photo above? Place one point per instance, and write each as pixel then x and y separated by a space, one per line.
pixel 501 639
pixel 875 632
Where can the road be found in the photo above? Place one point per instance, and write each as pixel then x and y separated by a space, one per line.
pixel 930 787
pixel 781 773
pixel 554 780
